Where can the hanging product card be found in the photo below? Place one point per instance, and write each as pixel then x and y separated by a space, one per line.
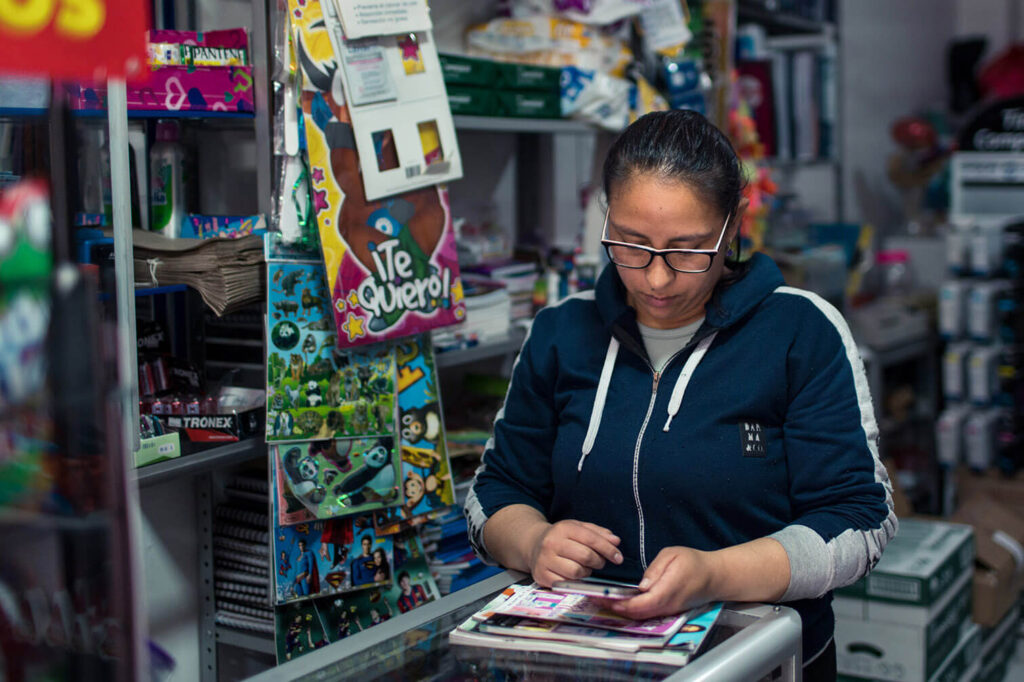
pixel 391 264
pixel 329 557
pixel 419 160
pixel 313 391
pixel 367 71
pixel 363 18
pixel 426 471
pixel 301 627
pixel 338 477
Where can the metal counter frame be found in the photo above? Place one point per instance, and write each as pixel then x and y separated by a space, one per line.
pixel 769 637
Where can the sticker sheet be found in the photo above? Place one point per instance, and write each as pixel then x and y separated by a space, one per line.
pixel 301 627
pixel 289 510
pixel 340 477
pixel 329 557
pixel 314 391
pixel 391 264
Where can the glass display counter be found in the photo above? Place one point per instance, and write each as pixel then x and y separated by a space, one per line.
pixel 748 642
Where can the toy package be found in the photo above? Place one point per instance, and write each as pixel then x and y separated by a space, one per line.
pixel 314 391
pixel 391 264
pixel 340 477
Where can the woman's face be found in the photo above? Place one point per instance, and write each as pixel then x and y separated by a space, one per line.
pixel 666 214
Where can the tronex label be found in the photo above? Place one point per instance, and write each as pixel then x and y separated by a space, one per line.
pixel 201 422
pixel 752 439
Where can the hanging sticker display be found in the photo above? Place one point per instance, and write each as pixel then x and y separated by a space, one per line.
pixel 301 627
pixel 329 557
pixel 391 264
pixel 339 477
pixel 313 391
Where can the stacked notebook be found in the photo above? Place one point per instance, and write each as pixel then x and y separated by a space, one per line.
pixel 531 618
pixel 228 273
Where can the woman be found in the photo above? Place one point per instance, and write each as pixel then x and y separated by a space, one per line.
pixel 691 424
pixel 382 570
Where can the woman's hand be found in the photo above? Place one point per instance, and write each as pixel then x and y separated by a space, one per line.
pixel 679 578
pixel 570 550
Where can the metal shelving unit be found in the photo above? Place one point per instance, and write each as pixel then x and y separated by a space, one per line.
pixel 202 462
pixel 251 641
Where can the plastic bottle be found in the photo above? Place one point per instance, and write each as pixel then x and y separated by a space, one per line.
pixel 166 197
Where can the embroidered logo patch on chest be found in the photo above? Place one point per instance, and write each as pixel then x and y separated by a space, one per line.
pixel 752 440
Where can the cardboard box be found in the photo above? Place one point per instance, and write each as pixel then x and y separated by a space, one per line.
pixel 530 104
pixel 473 101
pixel 960 666
pixel 158 449
pixel 1009 492
pixel 459 70
pixel 999 536
pixel 919 565
pixel 902 642
pixel 997 646
pixel 217 428
pixel 530 77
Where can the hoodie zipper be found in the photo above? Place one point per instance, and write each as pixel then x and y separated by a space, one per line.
pixel 636 450
pixel 636 469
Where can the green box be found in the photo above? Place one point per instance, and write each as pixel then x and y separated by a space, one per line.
pixel 473 101
pixel 158 449
pixel 919 565
pixel 530 104
pixel 459 70
pixel 530 77
pixel 965 650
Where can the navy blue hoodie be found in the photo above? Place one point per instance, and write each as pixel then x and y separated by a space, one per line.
pixel 761 426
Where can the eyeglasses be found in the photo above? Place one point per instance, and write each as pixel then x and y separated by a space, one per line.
pixel 638 257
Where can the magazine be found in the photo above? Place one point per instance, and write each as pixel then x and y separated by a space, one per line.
pixel 538 603
pixel 490 628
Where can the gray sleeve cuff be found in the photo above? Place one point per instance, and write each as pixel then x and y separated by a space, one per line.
pixel 810 564
pixel 476 518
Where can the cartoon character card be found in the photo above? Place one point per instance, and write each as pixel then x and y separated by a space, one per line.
pixel 391 262
pixel 288 508
pixel 329 557
pixel 340 477
pixel 313 390
pixel 426 471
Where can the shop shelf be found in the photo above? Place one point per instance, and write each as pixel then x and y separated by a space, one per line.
pixel 521 125
pixel 202 461
pixel 504 346
pixel 252 641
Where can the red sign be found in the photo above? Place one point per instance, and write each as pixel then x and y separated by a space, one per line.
pixel 93 39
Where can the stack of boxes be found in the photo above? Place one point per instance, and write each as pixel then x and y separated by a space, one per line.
pixel 482 87
pixel 909 620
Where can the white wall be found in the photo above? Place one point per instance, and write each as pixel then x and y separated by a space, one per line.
pixel 1000 21
pixel 892 64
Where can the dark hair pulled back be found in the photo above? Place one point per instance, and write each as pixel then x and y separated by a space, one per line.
pixel 678 145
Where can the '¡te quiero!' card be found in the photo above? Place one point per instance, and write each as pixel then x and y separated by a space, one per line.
pixel 390 263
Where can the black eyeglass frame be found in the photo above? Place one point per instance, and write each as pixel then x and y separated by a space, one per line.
pixel 710 253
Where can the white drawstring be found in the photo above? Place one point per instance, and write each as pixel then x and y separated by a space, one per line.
pixel 599 400
pixel 153 263
pixel 684 377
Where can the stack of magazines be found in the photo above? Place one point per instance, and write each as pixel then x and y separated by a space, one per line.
pixel 532 618
pixel 228 273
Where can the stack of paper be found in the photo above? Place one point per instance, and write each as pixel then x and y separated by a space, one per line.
pixel 227 273
pixel 488 315
pixel 531 618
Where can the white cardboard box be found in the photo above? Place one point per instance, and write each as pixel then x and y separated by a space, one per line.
pixel 900 642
